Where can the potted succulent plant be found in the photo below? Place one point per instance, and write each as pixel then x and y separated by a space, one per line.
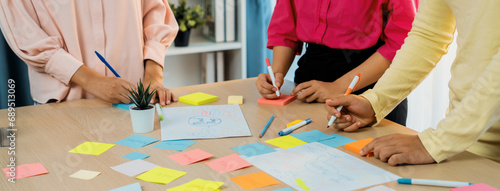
pixel 187 18
pixel 142 112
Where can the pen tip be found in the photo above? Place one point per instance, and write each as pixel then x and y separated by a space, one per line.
pixel 327 126
pixel 260 135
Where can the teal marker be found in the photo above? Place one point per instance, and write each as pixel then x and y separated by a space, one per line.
pixel 444 183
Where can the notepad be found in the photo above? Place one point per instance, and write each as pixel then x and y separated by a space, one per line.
pixel 336 140
pixel 190 157
pixel 176 145
pixel 358 145
pixel 123 105
pixel 85 174
pixel 161 175
pixel 282 100
pixel 198 98
pixel 198 185
pixel 311 136
pixel 235 99
pixel 131 187
pixel 135 156
pixel 285 142
pixel 255 180
pixel 253 149
pixel 228 163
pixel 137 141
pixel 475 187
pixel 285 189
pixel 26 170
pixel 135 167
pixel 91 148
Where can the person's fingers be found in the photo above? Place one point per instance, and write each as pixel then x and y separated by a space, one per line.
pixel 385 153
pixel 300 87
pixel 161 96
pixel 265 86
pixel 271 95
pixel 368 148
pixel 312 97
pixel 398 159
pixel 174 98
pixel 340 126
pixel 353 127
pixel 169 96
pixel 332 109
pixel 280 78
pixel 304 93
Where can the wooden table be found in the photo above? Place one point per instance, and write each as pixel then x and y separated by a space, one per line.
pixel 47 132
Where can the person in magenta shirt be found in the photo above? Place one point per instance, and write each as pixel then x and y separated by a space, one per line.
pixel 57 40
pixel 343 38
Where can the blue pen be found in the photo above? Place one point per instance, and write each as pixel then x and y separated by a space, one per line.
pixel 433 182
pixel 107 64
pixel 265 127
pixel 293 127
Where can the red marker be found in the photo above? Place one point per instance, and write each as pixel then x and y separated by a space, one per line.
pixel 271 73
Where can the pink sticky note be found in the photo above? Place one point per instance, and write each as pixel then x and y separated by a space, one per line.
pixel 482 187
pixel 190 157
pixel 282 100
pixel 228 163
pixel 26 170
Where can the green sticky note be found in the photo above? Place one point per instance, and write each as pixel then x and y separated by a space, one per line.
pixel 198 98
pixel 161 175
pixel 302 184
pixel 285 142
pixel 91 148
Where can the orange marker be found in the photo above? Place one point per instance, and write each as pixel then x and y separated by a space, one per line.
pixel 351 88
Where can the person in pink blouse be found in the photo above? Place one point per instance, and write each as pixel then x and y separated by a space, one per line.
pixel 343 38
pixel 57 40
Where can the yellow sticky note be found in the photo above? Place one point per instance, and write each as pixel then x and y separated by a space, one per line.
pixel 293 123
pixel 302 184
pixel 255 180
pixel 161 175
pixel 235 100
pixel 198 98
pixel 285 142
pixel 198 185
pixel 91 148
pixel 85 174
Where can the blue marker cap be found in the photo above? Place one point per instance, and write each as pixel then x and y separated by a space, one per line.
pixel 404 181
pixel 308 120
pixel 281 133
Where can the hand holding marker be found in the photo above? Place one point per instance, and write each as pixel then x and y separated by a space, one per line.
pixel 271 73
pixel 351 88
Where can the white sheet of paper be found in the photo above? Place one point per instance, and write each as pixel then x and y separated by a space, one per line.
pixel 203 122
pixel 320 167
pixel 380 188
pixel 134 168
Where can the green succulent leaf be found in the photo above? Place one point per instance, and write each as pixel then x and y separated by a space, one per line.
pixel 142 97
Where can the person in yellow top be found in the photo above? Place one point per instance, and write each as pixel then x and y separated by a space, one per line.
pixel 473 119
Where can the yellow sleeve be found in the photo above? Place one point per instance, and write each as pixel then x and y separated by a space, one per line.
pixel 428 40
pixel 473 115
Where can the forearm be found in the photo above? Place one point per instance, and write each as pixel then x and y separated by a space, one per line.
pixel 83 75
pixel 371 70
pixel 152 70
pixel 282 59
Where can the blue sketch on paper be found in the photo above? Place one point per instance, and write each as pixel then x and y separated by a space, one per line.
pixel 203 122
pixel 321 167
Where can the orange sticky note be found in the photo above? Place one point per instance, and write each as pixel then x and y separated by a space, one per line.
pixel 282 100
pixel 358 145
pixel 190 157
pixel 255 180
pixel 228 163
pixel 25 170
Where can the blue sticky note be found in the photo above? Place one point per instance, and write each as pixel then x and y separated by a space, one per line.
pixel 253 149
pixel 135 156
pixel 131 187
pixel 122 106
pixel 335 140
pixel 137 141
pixel 284 189
pixel 311 136
pixel 176 145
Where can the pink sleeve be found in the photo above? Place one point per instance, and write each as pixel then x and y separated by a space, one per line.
pixel 399 22
pixel 282 31
pixel 160 29
pixel 41 52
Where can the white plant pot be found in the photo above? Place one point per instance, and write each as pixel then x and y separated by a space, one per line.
pixel 143 121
